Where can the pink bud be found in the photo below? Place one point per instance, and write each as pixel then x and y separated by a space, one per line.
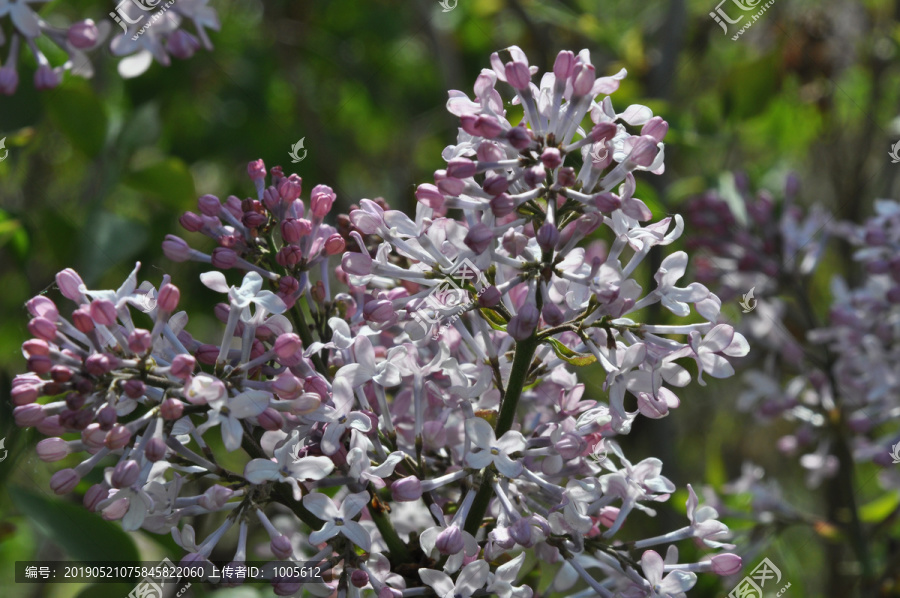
pixel 608 516
pixel 562 67
pixel 289 255
pixel 644 151
pixel 523 324
pixel 583 79
pixel 518 75
pixel 450 540
pixel 535 175
pixel 39 364
pixel 207 354
pixel 359 578
pixel 461 168
pixel 125 473
pixel 84 34
pixel 107 417
pixel 50 426
pixel 429 195
pixel 64 481
pixel 406 489
pixel 551 158
pixel 182 45
pixel 603 132
pixel 25 394
pixel 42 328
pixel 171 409
pixel 134 388
pixel 168 298
pixel 209 205
pixel 335 244
pixel 52 449
pixel 46 78
pixel 116 510
pixel 224 258
pixel 522 532
pixel 69 283
pixel 9 80
pixel 44 307
pixel 290 188
pixel 81 318
pixel 155 450
pixel 502 205
pixel 191 222
pixel 139 341
pixel 281 547
pixel 183 366
pixel 569 445
pixel 547 237
pixel 379 312
pixel 305 403
pixel 317 385
pixel 726 563
pixel 656 127
pixel 98 364
pixel 270 420
pixel 117 437
pixel 495 185
pixel 479 238
pixel 450 186
pixel 321 201
pixel 287 386
pixel 176 249
pixel 292 229
pixel 94 496
pixel 215 497
pixel 256 169
pixel 489 297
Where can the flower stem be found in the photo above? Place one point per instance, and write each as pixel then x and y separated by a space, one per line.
pixel 306 337
pixel 521 362
pixel 399 552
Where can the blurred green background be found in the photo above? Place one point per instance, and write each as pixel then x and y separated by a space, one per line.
pixel 98 172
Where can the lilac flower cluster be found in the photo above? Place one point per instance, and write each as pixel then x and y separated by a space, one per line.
pixel 406 462
pixel 837 377
pixel 147 35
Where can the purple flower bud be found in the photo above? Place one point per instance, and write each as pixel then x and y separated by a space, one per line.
pixel 562 67
pixel 726 563
pixel 644 151
pixel 155 450
pixel 534 175
pixel 317 385
pixel 134 388
pixel 256 169
pixel 570 445
pixel 523 323
pixel 107 417
pixel 379 312
pixel 224 258
pixel 52 449
pixel 551 158
pixel 28 415
pixel 270 420
pixel 583 79
pixel 321 200
pixel 207 354
pixel 553 316
pixel 191 222
pixel 39 364
pixel 518 75
pixel 287 345
pixel 502 205
pixel 69 283
pixel 519 137
pixel 603 132
pixel 285 586
pixel 335 244
pixel 168 298
pixel 286 386
pixel 46 78
pixel 608 516
pixel 25 394
pixel 176 249
pixel 430 196
pixel 547 237
pixel 290 188
pixel 183 366
pixel 461 168
pixel 9 80
pixel 98 364
pixel 254 219
pixel 289 255
pixel 359 578
pixel 116 510
pixel 450 540
pixel 209 205
pixel 292 229
pixel 103 312
pixel 171 409
pixel 125 474
pixel 495 185
pixel 182 45
pixel 521 531
pixel 50 426
pixel 479 238
pixel 489 297
pixel 117 437
pixel 64 481
pixel 489 152
pixel 406 489
pixel 43 307
pixel 42 328
pixel 94 496
pixel 139 341
pixel 214 498
pixel 450 186
pixel 281 547
pixel 656 127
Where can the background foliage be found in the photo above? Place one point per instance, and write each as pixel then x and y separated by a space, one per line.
pixel 98 172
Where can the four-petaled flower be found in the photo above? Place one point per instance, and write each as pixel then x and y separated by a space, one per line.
pixel 471 579
pixel 489 449
pixel 285 468
pixel 339 521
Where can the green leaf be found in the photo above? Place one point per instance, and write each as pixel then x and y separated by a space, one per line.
pixel 169 180
pixel 81 117
pixel 494 319
pixel 573 357
pixel 879 509
pixel 84 536
pixel 112 240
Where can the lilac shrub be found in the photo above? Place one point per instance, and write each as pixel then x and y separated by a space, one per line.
pixel 404 385
pixel 834 376
pixel 151 30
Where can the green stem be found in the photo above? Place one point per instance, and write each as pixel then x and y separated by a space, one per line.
pixel 521 362
pixel 396 546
